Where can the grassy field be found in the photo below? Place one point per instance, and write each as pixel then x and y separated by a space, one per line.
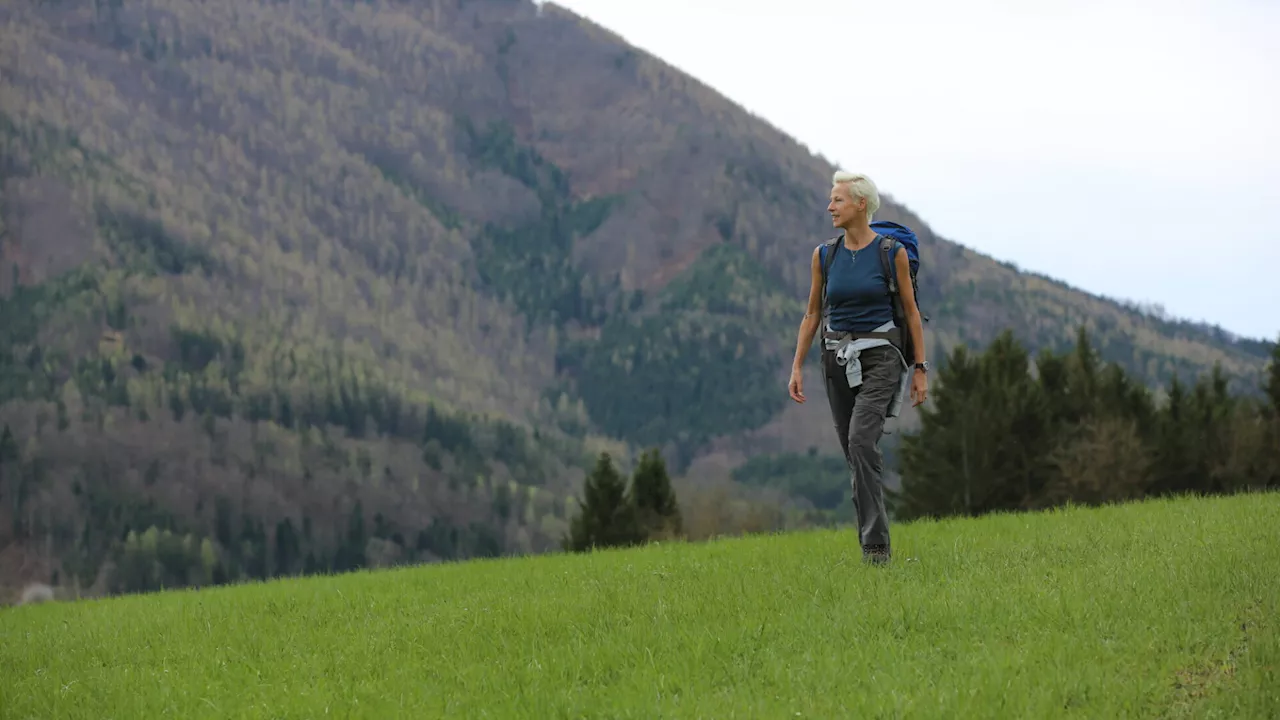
pixel 1157 609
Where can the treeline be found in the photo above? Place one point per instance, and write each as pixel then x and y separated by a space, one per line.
pixel 112 503
pixel 158 558
pixel 1006 433
pixel 111 513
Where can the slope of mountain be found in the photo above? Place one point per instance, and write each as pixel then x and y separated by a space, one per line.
pixel 324 282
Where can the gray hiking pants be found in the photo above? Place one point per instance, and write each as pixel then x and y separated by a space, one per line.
pixel 859 416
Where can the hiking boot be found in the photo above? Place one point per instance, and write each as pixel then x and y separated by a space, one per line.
pixel 876 554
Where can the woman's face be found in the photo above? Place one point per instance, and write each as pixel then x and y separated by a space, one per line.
pixel 843 207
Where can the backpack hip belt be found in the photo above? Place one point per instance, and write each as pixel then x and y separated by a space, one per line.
pixel 894 336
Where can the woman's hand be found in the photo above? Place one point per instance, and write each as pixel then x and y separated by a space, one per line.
pixel 796 386
pixel 919 387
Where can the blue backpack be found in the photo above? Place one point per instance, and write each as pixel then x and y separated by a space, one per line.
pixel 889 233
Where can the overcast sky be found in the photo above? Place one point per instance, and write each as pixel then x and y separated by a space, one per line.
pixel 1127 147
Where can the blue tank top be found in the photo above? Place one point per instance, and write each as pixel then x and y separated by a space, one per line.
pixel 857 289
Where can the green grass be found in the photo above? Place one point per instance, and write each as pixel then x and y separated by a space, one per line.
pixel 1157 609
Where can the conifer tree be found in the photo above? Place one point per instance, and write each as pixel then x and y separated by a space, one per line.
pixel 657 510
pixel 606 518
pixel 1271 386
pixel 9 457
pixel 1271 431
pixel 287 547
pixel 8 446
pixel 983 445
pixel 1175 441
pixel 1083 381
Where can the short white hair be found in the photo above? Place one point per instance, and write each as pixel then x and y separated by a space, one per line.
pixel 859 186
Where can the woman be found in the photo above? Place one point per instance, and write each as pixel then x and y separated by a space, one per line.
pixel 862 362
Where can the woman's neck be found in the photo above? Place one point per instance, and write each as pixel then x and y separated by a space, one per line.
pixel 858 234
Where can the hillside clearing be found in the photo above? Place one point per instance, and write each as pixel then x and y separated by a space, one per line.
pixel 1162 608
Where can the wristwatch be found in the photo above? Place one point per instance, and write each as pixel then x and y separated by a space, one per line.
pixel 923 366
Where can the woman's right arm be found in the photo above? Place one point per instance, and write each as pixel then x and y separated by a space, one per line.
pixel 808 325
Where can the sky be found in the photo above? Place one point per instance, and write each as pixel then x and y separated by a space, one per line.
pixel 1130 148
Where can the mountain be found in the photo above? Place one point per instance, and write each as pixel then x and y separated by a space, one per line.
pixel 321 284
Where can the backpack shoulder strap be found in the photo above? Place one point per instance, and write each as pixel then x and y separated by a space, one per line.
pixel 887 246
pixel 827 256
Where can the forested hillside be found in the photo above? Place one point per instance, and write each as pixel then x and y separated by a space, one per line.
pixel 315 285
